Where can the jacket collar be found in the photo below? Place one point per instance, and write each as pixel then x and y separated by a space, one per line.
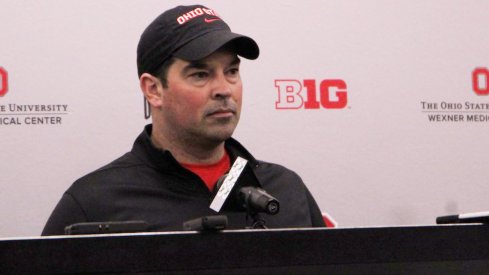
pixel 144 149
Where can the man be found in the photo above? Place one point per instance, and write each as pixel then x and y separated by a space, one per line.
pixel 188 68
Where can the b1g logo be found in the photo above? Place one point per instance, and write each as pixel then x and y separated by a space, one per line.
pixel 3 81
pixel 332 94
pixel 480 79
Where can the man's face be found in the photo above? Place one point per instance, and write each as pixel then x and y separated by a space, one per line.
pixel 202 101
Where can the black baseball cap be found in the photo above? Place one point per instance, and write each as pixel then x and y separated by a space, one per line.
pixel 190 33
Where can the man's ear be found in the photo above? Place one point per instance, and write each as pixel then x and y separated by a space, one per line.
pixel 152 89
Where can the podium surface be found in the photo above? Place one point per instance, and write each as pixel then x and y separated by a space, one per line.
pixel 450 249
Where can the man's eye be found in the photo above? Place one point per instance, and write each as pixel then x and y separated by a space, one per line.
pixel 233 72
pixel 199 75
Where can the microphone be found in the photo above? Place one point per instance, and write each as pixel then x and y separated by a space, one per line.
pixel 106 227
pixel 258 200
pixel 478 217
pixel 207 223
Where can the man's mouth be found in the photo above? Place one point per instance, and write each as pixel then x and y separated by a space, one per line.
pixel 222 113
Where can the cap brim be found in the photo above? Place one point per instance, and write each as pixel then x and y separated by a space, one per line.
pixel 208 43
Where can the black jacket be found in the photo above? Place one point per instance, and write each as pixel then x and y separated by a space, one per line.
pixel 149 184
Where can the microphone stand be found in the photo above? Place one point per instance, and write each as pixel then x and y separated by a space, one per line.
pixel 257 221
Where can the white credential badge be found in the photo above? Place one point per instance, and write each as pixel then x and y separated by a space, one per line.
pixel 228 184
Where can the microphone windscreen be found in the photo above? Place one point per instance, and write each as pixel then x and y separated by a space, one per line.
pixel 447 219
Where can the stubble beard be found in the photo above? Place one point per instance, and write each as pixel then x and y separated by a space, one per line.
pixel 214 133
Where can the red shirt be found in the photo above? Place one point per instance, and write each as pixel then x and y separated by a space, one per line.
pixel 210 173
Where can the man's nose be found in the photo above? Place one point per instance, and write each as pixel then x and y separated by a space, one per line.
pixel 221 86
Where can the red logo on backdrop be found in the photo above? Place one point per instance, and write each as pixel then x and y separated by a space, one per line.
pixel 332 94
pixel 3 81
pixel 480 80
